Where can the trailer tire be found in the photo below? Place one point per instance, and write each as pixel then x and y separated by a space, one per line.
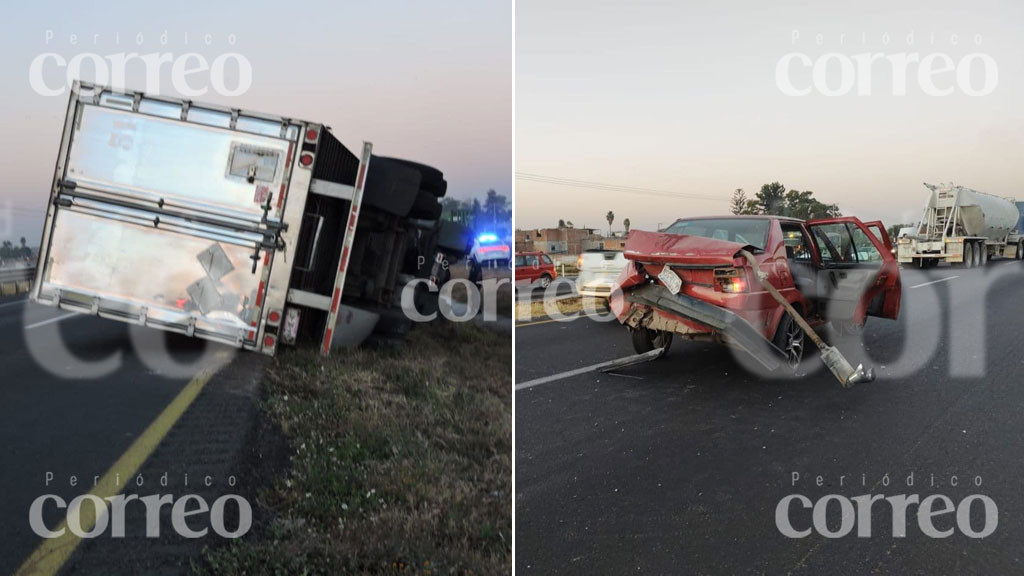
pixel 645 340
pixel 982 253
pixel 968 255
pixel 426 207
pixel 1020 249
pixel 432 179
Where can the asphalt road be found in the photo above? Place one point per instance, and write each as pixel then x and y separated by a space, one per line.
pixel 55 418
pixel 678 465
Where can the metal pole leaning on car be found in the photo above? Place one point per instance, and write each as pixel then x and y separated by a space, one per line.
pixel 831 356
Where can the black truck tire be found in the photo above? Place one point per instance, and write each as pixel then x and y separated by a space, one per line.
pixel 426 207
pixel 391 186
pixel 433 179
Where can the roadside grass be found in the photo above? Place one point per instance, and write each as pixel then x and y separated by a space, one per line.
pixel 401 461
pixel 504 295
pixel 536 309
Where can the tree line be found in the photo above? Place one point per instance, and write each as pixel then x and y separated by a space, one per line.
pixel 775 200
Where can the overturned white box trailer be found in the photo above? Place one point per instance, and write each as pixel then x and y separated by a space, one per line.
pixel 231 225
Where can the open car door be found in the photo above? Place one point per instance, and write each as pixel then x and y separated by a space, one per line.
pixel 878 228
pixel 858 275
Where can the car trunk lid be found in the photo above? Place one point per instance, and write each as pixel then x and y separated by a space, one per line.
pixel 681 250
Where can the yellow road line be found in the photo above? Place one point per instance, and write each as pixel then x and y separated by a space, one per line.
pixel 51 555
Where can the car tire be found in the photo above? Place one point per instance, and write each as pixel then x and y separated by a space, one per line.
pixel 645 340
pixel 791 339
pixel 545 281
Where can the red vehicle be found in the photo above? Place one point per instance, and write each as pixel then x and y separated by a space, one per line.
pixel 695 280
pixel 535 267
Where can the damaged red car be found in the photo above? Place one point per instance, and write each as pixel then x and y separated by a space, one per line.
pixel 696 279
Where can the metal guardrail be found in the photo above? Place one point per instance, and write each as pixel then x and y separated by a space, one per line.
pixel 17 274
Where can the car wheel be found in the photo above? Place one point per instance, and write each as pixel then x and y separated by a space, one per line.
pixel 545 281
pixel 790 338
pixel 645 340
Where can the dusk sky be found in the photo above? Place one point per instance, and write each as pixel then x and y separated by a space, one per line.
pixel 682 97
pixel 432 82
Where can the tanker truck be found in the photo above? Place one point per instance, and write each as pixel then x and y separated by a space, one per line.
pixel 964 227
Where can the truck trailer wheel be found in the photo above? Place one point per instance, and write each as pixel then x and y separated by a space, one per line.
pixel 982 254
pixel 1020 250
pixel 432 179
pixel 645 340
pixel 968 255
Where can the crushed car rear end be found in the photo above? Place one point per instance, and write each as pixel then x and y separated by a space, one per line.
pixel 702 288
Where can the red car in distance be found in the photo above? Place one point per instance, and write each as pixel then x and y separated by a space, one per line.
pixel 535 267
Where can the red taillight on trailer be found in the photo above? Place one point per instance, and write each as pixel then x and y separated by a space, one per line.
pixel 274 318
pixel 269 341
pixel 306 159
pixel 730 280
pixel 312 135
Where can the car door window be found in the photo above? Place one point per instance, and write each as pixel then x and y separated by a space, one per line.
pixel 532 261
pixel 519 261
pixel 545 259
pixel 835 244
pixel 796 241
pixel 864 248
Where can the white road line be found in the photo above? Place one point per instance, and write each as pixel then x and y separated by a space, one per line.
pixel 935 281
pixel 6 304
pixel 51 320
pixel 617 363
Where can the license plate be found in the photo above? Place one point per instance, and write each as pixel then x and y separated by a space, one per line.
pixel 670 279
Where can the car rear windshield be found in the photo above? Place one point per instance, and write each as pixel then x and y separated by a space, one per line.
pixel 752 231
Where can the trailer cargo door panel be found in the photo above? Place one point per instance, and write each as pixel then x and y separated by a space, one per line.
pixel 170 221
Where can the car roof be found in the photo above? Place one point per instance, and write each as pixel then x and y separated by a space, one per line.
pixel 743 217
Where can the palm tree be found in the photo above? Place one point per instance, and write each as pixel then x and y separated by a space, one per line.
pixel 626 224
pixel 610 217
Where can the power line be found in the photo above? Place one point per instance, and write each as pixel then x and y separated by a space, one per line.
pixel 612 187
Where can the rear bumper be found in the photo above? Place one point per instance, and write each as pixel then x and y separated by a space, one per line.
pixel 731 326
